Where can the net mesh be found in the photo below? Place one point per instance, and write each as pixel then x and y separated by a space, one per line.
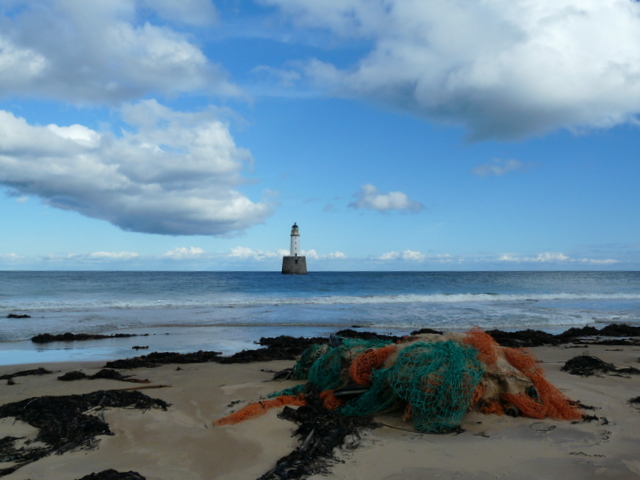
pixel 436 379
pixel 435 382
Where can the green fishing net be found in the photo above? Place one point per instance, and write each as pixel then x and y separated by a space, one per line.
pixel 436 379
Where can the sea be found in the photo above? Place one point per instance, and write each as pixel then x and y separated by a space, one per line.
pixel 231 311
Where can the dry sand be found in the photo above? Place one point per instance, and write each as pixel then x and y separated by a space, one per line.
pixel 182 444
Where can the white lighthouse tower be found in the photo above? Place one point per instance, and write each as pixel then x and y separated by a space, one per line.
pixel 294 263
pixel 294 251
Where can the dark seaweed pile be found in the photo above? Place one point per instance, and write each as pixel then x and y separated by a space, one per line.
pixel 63 422
pixel 105 373
pixel 586 365
pixel 289 348
pixel 75 337
pixel 584 335
pixel 320 431
pixel 113 475
pixel 36 371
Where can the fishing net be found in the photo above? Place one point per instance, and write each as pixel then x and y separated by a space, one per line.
pixel 435 379
pixel 329 371
pixel 546 400
pixel 258 409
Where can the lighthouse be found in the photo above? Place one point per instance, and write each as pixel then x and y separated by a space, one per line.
pixel 294 263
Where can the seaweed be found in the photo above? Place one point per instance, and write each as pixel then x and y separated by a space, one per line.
pixel 157 359
pixel 105 373
pixel 320 431
pixel 75 337
pixel 64 422
pixel 24 373
pixel 536 338
pixel 113 475
pixel 586 365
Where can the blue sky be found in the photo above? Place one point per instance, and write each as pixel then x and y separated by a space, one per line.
pixel 399 135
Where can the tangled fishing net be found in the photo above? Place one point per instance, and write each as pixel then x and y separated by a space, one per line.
pixel 435 379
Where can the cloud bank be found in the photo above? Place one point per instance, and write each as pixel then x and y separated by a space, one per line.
pixel 369 198
pixel 503 69
pixel 102 52
pixel 173 173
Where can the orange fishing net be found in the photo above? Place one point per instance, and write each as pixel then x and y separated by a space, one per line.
pixel 551 402
pixel 330 401
pixel 362 366
pixel 485 344
pixel 257 409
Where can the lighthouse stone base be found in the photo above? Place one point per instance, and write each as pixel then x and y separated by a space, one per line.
pixel 294 265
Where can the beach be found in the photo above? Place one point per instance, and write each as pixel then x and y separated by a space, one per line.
pixel 183 443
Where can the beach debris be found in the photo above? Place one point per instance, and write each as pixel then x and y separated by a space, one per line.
pixel 18 315
pixel 435 379
pixel 112 474
pixel 35 371
pixel 75 337
pixel 635 402
pixel 432 379
pixel 64 423
pixel 105 373
pixel 587 365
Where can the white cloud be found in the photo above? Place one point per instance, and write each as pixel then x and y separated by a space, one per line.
pixel 250 254
pixel 181 253
pixel 174 173
pixel 312 254
pixel 371 199
pixel 498 167
pixel 112 255
pixel 191 12
pixel 415 256
pixel 103 51
pixel 9 257
pixel 501 68
pixel 92 257
pixel 551 257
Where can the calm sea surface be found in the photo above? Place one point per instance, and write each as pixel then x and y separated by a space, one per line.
pixel 228 311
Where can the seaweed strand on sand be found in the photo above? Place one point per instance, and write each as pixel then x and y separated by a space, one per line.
pixel 64 423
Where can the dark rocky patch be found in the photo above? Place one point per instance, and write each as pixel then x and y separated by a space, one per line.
pixel 63 422
pixel 635 400
pixel 76 337
pixel 113 475
pixel 17 315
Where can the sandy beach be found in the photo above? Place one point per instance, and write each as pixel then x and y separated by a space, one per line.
pixel 182 443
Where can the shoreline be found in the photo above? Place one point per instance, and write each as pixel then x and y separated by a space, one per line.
pixel 490 446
